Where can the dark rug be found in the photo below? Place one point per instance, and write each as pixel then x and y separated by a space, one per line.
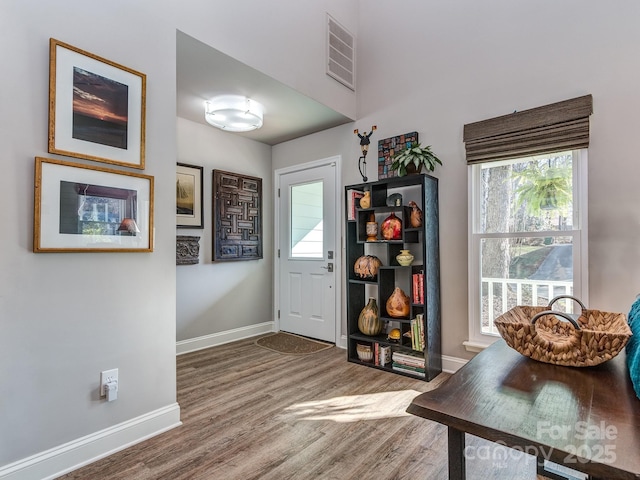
pixel 291 344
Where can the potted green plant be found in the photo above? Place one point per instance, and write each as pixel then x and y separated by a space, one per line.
pixel 412 158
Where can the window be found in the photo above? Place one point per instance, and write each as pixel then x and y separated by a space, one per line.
pixel 306 220
pixel 527 236
pixel 87 209
pixel 527 211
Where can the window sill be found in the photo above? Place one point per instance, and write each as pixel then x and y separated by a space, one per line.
pixel 477 347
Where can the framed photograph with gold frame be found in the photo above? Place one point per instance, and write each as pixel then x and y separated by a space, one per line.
pixel 85 208
pixel 96 107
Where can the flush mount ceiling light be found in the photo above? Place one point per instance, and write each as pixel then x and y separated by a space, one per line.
pixel 233 113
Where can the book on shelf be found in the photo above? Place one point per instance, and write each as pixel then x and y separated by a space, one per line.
pixel 408 371
pixel 408 359
pixel 420 322
pixel 353 199
pixel 409 367
pixel 385 355
pixel 417 332
pixel 417 284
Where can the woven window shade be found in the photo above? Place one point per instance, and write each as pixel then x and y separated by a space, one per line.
pixel 551 128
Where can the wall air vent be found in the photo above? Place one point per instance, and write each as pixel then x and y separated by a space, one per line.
pixel 341 46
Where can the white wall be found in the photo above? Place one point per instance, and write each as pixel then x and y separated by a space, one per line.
pixel 221 296
pixel 443 64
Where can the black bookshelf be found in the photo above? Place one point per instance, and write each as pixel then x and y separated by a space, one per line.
pixel 423 243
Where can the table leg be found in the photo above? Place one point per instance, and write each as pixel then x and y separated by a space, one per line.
pixel 457 467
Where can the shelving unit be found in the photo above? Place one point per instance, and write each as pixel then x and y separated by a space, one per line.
pixel 423 243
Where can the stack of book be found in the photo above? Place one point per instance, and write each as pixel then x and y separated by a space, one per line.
pixel 417 332
pixel 418 287
pixel 410 363
pixel 353 202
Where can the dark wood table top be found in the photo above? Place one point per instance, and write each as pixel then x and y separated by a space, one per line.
pixel 586 418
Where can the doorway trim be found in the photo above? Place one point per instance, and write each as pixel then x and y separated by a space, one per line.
pixel 337 160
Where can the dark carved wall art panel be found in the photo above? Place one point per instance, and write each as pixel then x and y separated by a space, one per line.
pixel 237 216
pixel 187 250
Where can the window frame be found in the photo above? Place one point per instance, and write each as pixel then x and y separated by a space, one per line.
pixel 478 340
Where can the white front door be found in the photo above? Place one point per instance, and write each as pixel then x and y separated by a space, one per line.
pixel 307 249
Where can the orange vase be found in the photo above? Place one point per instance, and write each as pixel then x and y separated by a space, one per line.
pixel 398 304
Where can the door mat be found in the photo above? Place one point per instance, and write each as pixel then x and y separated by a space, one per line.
pixel 291 344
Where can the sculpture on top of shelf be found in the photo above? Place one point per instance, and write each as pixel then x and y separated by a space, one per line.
pixel 364 148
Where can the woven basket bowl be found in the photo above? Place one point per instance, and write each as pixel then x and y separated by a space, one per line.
pixel 552 338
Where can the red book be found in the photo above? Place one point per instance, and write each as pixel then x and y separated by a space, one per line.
pixel 421 288
pixel 416 292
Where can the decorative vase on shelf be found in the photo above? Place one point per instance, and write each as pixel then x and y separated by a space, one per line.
pixel 404 258
pixel 391 228
pixel 367 267
pixel 372 229
pixel 365 202
pixel 369 320
pixel 415 218
pixel 398 304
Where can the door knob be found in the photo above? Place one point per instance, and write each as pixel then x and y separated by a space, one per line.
pixel 329 267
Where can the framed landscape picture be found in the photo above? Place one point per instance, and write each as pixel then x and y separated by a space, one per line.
pixel 96 107
pixel 84 208
pixel 189 196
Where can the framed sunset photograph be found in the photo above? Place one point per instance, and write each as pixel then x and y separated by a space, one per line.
pixel 96 107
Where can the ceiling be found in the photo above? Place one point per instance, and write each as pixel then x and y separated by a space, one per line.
pixel 204 72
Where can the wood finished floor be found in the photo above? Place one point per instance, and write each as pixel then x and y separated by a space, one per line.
pixel 250 413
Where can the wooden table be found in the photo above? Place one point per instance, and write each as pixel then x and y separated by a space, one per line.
pixel 587 419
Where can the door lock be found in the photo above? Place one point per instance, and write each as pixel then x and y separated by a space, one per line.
pixel 329 267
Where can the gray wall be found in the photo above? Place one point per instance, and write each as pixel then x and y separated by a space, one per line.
pixel 221 296
pixel 66 317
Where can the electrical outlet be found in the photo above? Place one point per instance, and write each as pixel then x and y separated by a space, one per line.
pixel 106 377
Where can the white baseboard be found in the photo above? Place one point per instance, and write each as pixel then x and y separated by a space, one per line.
pixel 206 341
pixel 70 456
pixel 452 364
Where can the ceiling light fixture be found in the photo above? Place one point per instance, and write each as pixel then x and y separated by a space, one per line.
pixel 233 113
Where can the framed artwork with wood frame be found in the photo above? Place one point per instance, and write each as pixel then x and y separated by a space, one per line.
pixel 85 208
pixel 237 216
pixel 96 107
pixel 189 204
